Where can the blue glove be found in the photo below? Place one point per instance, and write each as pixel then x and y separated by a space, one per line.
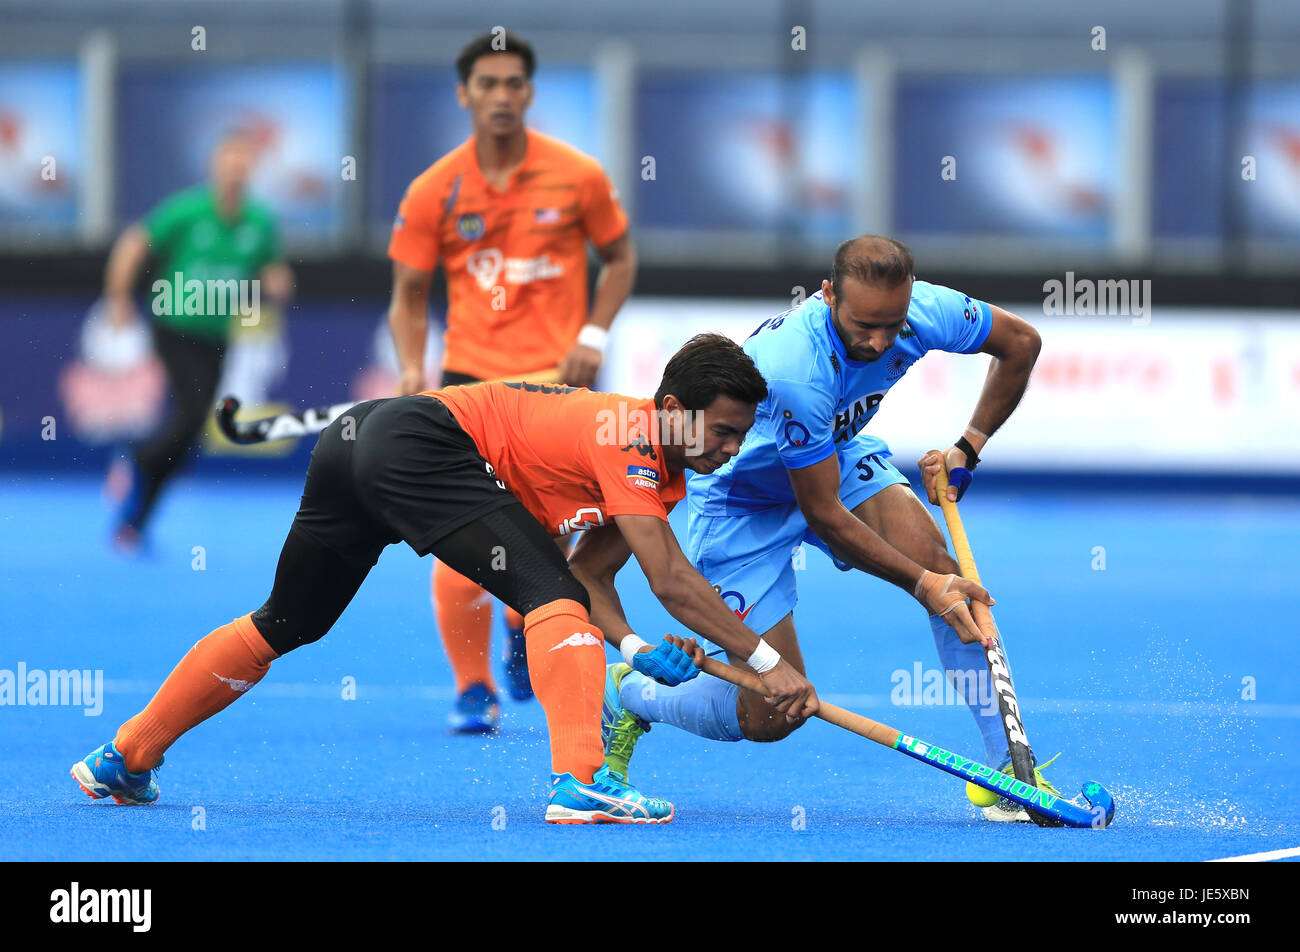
pixel 667 664
pixel 959 478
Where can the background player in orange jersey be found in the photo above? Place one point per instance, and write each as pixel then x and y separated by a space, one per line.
pixel 483 477
pixel 509 213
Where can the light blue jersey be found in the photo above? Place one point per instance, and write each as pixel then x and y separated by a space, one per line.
pixel 819 400
pixel 743 524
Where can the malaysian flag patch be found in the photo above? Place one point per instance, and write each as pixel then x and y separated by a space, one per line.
pixel 546 216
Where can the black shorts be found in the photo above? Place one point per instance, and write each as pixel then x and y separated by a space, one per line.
pixel 395 470
pixel 454 378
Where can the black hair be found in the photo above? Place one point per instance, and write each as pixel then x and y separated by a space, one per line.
pixel 709 365
pixel 490 44
pixel 872 259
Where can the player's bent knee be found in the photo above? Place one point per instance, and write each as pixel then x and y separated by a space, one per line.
pixel 283 633
pixel 532 597
pixel 768 728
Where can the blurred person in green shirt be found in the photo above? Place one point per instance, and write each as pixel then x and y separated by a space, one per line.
pixel 216 253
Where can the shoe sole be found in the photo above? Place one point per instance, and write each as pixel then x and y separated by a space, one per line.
pixel 997 815
pixel 563 815
pixel 98 791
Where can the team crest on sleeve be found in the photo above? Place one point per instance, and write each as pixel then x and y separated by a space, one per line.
pixel 643 477
pixel 470 226
pixel 398 221
pixel 795 432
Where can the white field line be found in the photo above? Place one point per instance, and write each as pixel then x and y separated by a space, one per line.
pixel 428 692
pixel 1259 857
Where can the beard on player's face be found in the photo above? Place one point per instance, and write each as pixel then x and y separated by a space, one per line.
pixel 857 350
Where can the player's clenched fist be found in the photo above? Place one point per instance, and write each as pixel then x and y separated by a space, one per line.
pixel 790 692
pixel 671 662
pixel 412 382
pixel 946 595
pixel 959 476
pixel 580 365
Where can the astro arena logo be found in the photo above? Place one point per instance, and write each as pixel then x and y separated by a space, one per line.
pixel 470 226
pixel 796 434
pixel 643 477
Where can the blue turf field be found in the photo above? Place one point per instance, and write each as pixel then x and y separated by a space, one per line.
pixel 1135 672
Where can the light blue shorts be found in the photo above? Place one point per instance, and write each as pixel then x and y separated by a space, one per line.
pixel 750 558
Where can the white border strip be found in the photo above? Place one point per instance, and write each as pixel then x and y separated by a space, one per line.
pixel 1259 857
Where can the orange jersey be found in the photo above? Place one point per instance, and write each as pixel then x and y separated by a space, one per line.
pixel 573 457
pixel 516 261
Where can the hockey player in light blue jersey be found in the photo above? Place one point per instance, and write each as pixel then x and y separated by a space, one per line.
pixel 810 472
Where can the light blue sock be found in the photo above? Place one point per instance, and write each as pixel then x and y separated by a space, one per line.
pixel 956 656
pixel 704 705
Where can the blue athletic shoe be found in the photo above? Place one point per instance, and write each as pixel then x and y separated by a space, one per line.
pixel 103 774
pixel 517 682
pixel 609 798
pixel 476 712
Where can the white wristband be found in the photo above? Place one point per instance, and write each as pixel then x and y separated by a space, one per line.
pixel 594 337
pixel 764 658
pixel 630 645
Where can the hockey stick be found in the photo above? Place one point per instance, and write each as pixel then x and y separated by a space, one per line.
pixel 1059 811
pixel 306 422
pixel 280 427
pixel 1022 759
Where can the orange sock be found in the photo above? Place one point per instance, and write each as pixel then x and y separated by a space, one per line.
pixel 215 672
pixel 566 661
pixel 513 618
pixel 464 614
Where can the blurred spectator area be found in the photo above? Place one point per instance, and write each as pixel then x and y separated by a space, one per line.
pixel 745 137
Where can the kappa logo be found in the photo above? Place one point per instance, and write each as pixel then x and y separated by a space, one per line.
pixel 235 683
pixel 577 640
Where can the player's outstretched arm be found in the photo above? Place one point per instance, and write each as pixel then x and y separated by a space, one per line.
pixel 124 263
pixel 817 488
pixel 613 285
pixel 595 561
pixel 692 601
pixel 1014 345
pixel 408 319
